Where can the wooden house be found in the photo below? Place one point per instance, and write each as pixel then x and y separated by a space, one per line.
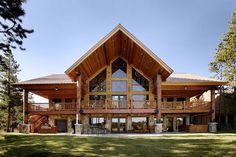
pixel 122 85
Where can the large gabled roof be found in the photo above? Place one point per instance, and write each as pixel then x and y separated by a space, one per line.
pixel 119 42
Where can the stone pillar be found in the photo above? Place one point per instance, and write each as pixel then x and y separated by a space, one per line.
pixel 165 122
pixel 151 121
pixel 158 105
pixel 212 127
pixel 213 105
pixel 129 124
pixel 158 128
pixel 188 120
pixel 78 128
pixel 108 124
pixel 174 123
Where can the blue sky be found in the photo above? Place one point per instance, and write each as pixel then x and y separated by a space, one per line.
pixel 183 33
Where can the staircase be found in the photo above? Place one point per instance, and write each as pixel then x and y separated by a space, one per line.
pixel 36 121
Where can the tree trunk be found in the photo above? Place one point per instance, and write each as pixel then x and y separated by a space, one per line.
pixel 8 117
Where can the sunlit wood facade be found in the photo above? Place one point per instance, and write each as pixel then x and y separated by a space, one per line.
pixel 120 84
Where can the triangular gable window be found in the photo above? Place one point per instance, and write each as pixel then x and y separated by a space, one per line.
pixel 119 68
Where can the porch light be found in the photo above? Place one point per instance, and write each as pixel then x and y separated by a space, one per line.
pixel 56 89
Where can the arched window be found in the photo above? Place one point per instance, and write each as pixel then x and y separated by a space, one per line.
pixel 139 82
pixel 119 68
pixel 98 84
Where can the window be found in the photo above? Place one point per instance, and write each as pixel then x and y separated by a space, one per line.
pixel 119 86
pixel 57 103
pixel 97 121
pixel 97 97
pixel 119 69
pixel 139 83
pixel 181 99
pixel 98 84
pixel 139 101
pixel 139 97
pixel 139 123
pixel 170 99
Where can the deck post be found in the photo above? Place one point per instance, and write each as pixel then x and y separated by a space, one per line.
pixel 25 106
pixel 158 105
pixel 26 126
pixel 213 105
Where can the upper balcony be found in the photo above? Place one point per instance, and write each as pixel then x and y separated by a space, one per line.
pixel 119 106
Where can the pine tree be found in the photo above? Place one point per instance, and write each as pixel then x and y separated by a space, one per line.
pixel 224 63
pixel 12 32
pixel 10 98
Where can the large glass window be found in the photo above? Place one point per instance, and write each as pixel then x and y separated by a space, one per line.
pixel 119 85
pixel 139 124
pixel 119 68
pixel 97 97
pixel 140 97
pixel 98 84
pixel 139 101
pixel 139 83
pixel 97 101
pixel 97 121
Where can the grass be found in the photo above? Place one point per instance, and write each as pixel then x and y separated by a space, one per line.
pixel 223 144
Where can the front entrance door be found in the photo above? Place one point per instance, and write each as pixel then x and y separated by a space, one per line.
pixel 61 125
pixel 118 125
pixel 119 101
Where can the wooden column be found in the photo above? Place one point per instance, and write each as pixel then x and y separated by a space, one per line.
pixel 158 105
pixel 25 106
pixel 78 97
pixel 213 105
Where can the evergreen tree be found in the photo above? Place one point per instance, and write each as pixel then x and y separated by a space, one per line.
pixel 224 63
pixel 11 31
pixel 10 98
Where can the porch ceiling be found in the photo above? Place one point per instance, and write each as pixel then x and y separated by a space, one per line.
pixel 119 42
pixel 47 90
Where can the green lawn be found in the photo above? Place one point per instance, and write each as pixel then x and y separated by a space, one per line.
pixel 192 145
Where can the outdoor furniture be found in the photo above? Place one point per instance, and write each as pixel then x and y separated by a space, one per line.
pixel 52 129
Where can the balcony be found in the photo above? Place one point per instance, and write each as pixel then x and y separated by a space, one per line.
pixel 119 106
pixel 185 107
pixel 47 108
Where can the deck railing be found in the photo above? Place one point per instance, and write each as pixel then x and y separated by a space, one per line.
pixel 119 104
pixel 52 107
pixel 185 105
pixel 38 106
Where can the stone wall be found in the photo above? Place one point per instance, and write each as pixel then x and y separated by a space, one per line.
pixel 69 119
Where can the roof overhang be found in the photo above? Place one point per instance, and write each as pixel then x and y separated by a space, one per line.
pixel 119 42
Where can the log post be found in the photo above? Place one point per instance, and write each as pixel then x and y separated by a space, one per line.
pixel 78 97
pixel 25 106
pixel 158 105
pixel 213 105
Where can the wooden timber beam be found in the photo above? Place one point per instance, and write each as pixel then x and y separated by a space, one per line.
pixel 78 96
pixel 158 107
pixel 25 106
pixel 213 105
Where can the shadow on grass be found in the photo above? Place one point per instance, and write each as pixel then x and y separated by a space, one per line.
pixel 25 146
